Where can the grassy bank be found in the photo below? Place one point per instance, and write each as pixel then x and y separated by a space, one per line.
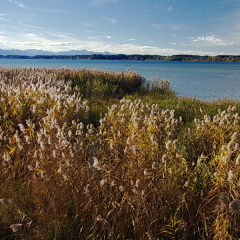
pixel 88 154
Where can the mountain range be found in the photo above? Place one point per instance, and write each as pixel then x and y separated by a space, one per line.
pixel 34 52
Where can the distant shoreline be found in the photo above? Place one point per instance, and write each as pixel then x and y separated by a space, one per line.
pixel 136 57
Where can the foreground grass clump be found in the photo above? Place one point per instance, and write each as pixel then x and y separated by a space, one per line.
pixel 159 167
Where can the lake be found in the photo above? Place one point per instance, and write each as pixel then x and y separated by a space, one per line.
pixel 204 80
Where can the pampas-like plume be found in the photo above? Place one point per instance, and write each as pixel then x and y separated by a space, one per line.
pixel 4 201
pixel 230 176
pixel 21 126
pixel 154 165
pixel 16 227
pixel 238 160
pixel 169 144
pixel 223 198
pixel 6 157
pixel 96 163
pixel 234 206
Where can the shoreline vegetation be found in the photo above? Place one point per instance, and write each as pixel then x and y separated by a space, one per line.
pixel 138 57
pixel 93 154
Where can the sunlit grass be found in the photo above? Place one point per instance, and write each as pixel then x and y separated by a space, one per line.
pixel 135 163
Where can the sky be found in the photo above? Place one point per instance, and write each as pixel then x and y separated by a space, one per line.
pixel 162 27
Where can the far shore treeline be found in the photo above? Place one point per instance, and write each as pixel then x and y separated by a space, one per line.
pixel 219 58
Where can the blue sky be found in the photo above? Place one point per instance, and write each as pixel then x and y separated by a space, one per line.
pixel 164 27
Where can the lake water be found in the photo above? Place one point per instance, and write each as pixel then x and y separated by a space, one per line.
pixel 204 80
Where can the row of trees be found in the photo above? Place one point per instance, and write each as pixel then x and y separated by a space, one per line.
pixel 219 58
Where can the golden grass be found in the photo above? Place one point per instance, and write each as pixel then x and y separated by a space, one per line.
pixel 144 173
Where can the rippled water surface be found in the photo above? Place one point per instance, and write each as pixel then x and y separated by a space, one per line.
pixel 204 80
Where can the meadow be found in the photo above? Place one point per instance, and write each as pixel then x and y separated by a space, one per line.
pixel 92 154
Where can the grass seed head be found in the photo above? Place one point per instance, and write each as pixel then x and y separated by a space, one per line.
pixel 99 218
pixel 234 206
pixel 103 182
pixel 225 159
pixel 216 175
pixel 86 189
pixel 96 163
pixel 30 167
pixel 4 201
pixel 234 136
pixel 236 148
pixel 21 126
pixel 137 183
pixel 6 157
pixel 113 184
pixel 164 158
pixel 230 147
pixel 115 204
pixel 186 184
pixel 238 160
pixel 169 144
pixel 146 172
pixel 154 165
pixel 16 227
pixel 230 176
pixel 223 198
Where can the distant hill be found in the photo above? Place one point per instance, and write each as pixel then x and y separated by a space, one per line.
pixel 34 52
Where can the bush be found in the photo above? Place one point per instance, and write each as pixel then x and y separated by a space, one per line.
pixel 102 84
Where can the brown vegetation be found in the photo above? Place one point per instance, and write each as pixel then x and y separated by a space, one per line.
pixel 144 173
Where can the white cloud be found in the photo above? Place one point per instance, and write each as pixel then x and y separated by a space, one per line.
pixel 87 24
pixel 158 26
pixel 30 35
pixel 60 35
pixel 170 9
pixel 109 37
pixel 94 38
pixel 142 49
pixel 46 42
pixel 176 26
pixel 58 41
pixel 5 20
pixel 167 26
pixel 210 40
pixel 27 25
pixel 111 20
pixel 132 39
pixel 20 5
pixel 2 38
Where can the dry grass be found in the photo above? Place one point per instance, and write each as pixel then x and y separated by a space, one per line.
pixel 143 173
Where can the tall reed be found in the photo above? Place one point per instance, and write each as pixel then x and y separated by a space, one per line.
pixel 145 172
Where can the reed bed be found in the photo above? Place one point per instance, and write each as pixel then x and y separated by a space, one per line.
pixel 145 172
